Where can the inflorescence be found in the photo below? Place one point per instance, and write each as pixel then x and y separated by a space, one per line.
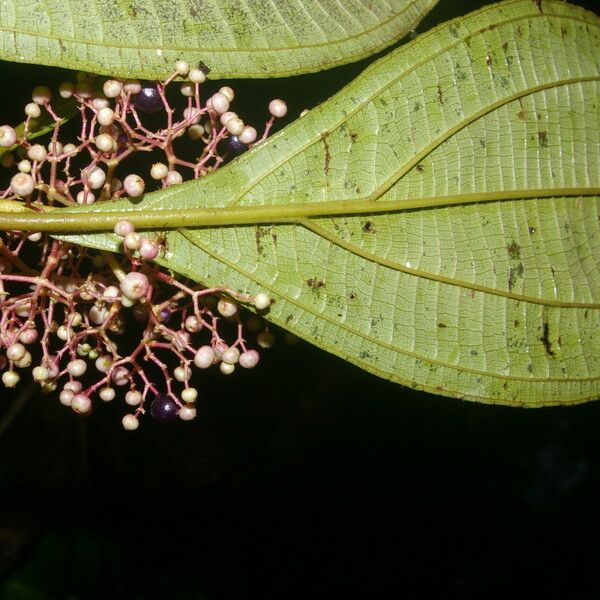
pixel 93 324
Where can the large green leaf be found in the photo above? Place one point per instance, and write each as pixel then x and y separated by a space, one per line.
pixel 490 291
pixel 254 38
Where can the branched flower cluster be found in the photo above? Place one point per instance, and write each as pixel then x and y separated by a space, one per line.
pixel 91 323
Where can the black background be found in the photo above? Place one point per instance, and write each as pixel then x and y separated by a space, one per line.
pixel 306 477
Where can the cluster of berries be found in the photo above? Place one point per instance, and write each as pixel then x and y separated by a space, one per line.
pixel 64 309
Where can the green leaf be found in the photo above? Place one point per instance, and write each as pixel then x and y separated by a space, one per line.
pixel 144 38
pixel 488 288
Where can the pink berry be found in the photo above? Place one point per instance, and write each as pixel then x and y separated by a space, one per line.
pixel 135 285
pixel 15 351
pixel 77 367
pixel 8 136
pixel 22 184
pixel 249 359
pixel 81 404
pixel 219 103
pixel 132 241
pixel 149 249
pixel 187 412
pixel 130 422
pixel 123 227
pixel 205 357
pixel 133 185
pixel 120 376
pixel 278 108
pixel 41 94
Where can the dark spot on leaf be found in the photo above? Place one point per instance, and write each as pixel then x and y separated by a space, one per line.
pixel 417 107
pixel 514 250
pixel 368 227
pixel 505 385
pixel 532 230
pixel 545 338
pixel 440 95
pixel 519 31
pixel 488 60
pixel 442 325
pixel 482 143
pixel 353 136
pixel 453 31
pixel 288 319
pixel 314 283
pixel 538 4
pixel 203 68
pixel 543 137
pixel 327 153
pixel 420 168
pixel 193 12
pixel 62 46
pixel 505 46
pixel 352 296
pixel 513 274
pixel 474 353
pixel 516 322
pixel 261 232
pixel 365 354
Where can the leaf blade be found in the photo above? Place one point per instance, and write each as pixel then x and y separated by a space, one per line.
pixel 143 39
pixel 495 302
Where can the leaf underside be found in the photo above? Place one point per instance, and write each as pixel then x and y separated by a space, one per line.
pixel 496 301
pixel 254 38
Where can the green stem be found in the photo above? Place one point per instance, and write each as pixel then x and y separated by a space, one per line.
pixel 64 221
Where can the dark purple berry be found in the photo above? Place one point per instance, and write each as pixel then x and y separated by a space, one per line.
pixel 122 141
pixel 148 100
pixel 164 409
pixel 235 146
pixel 231 147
